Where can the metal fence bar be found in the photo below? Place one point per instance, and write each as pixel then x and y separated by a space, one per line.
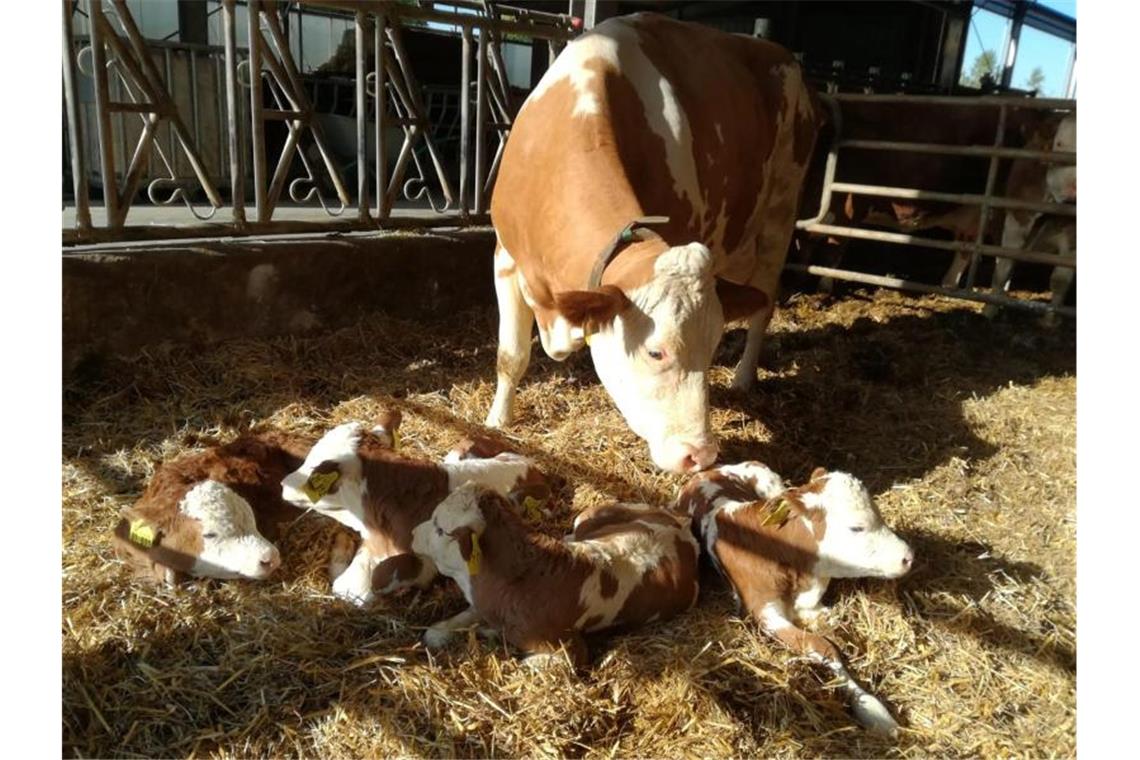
pixel 465 119
pixel 103 114
pixel 966 199
pixel 1033 257
pixel 76 145
pixel 921 287
pixel 1013 101
pixel 982 151
pixel 237 177
pixel 380 35
pixel 987 199
pixel 361 33
pixel 480 118
pixel 256 105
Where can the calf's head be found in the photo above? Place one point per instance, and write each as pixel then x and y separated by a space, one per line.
pixel 856 542
pixel 451 537
pixel 211 534
pixel 652 347
pixel 331 479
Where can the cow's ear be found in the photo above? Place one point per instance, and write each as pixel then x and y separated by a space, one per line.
pixel 740 301
pixel 130 542
pixel 463 537
pixel 817 473
pixel 591 309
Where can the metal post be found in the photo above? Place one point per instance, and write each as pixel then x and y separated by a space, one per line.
pixel 74 128
pixel 465 121
pixel 480 118
pixel 381 108
pixel 237 178
pixel 256 122
pixel 361 115
pixel 106 139
pixel 984 211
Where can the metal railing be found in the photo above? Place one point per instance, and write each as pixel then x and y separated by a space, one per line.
pixel 389 103
pixel 987 201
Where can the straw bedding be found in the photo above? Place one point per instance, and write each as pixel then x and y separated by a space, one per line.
pixel 963 429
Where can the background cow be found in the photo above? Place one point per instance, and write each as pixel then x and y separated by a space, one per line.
pixel 642 116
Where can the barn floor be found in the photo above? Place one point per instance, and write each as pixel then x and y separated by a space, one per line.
pixel 965 430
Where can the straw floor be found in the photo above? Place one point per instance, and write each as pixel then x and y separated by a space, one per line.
pixel 964 430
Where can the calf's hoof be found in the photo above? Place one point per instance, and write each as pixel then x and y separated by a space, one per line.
pixel 744 381
pixel 436 638
pixel 874 716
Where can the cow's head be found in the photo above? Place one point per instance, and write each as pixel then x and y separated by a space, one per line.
pixel 856 542
pixel 652 347
pixel 211 534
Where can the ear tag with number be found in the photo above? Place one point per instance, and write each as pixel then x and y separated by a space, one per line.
pixel 319 484
pixel 775 514
pixel 532 509
pixel 141 534
pixel 475 561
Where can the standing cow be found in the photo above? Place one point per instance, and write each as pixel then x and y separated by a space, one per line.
pixel 646 116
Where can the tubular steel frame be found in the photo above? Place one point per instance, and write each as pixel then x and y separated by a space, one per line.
pixel 987 201
pixel 392 86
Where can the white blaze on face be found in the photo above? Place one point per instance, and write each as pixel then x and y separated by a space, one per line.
pixel 231 545
pixel 344 498
pixel 653 359
pixel 435 538
pixel 1060 178
pixel 857 543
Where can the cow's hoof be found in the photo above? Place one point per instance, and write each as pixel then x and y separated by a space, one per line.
pixel 991 311
pixel 348 589
pixel 436 638
pixel 498 418
pixel 744 382
pixel 874 716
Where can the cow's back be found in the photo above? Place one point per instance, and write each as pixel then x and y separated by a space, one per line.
pixel 646 115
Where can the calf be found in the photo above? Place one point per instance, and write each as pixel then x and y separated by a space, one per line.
pixel 780 547
pixel 208 514
pixel 624 565
pixel 354 476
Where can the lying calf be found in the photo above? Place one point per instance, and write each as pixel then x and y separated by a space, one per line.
pixel 208 514
pixel 779 548
pixel 356 477
pixel 625 564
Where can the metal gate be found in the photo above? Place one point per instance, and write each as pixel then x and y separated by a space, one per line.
pixel 987 201
pixel 127 84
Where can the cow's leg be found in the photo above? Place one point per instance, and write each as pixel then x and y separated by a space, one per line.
pixel 745 376
pixel 869 711
pixel 440 633
pixel 1060 281
pixel 354 583
pixel 1013 234
pixel 957 268
pixel 515 320
pixel 402 571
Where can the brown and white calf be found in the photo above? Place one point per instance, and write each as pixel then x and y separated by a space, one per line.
pixel 355 476
pixel 624 565
pixel 780 547
pixel 648 116
pixel 208 514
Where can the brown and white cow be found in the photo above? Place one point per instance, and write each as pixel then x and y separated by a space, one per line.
pixel 624 565
pixel 648 116
pixel 780 547
pixel 1054 183
pixel 209 514
pixel 355 476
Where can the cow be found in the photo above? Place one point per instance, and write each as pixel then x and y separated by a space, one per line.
pixel 779 547
pixel 646 195
pixel 624 565
pixel 212 513
pixel 356 477
pixel 1031 180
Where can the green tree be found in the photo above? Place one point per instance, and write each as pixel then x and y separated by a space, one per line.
pixel 1036 79
pixel 985 63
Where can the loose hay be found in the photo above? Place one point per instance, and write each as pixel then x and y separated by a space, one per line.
pixel 965 431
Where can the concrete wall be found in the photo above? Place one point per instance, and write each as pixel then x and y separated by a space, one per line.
pixel 117 302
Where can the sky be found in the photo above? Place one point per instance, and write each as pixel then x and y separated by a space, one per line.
pixel 989 31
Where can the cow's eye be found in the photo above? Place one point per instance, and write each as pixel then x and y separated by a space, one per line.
pixel 209 535
pixel 656 355
pixel 858 529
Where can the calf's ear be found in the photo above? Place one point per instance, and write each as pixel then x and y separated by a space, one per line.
pixel 132 546
pixel 818 473
pixel 591 309
pixel 740 301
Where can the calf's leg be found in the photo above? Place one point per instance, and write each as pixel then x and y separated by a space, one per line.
pixel 869 711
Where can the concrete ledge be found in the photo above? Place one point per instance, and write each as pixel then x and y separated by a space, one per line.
pixel 120 300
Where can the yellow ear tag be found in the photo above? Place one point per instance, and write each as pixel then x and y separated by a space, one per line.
pixel 777 514
pixel 532 509
pixel 589 338
pixel 141 534
pixel 319 484
pixel 396 440
pixel 475 561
